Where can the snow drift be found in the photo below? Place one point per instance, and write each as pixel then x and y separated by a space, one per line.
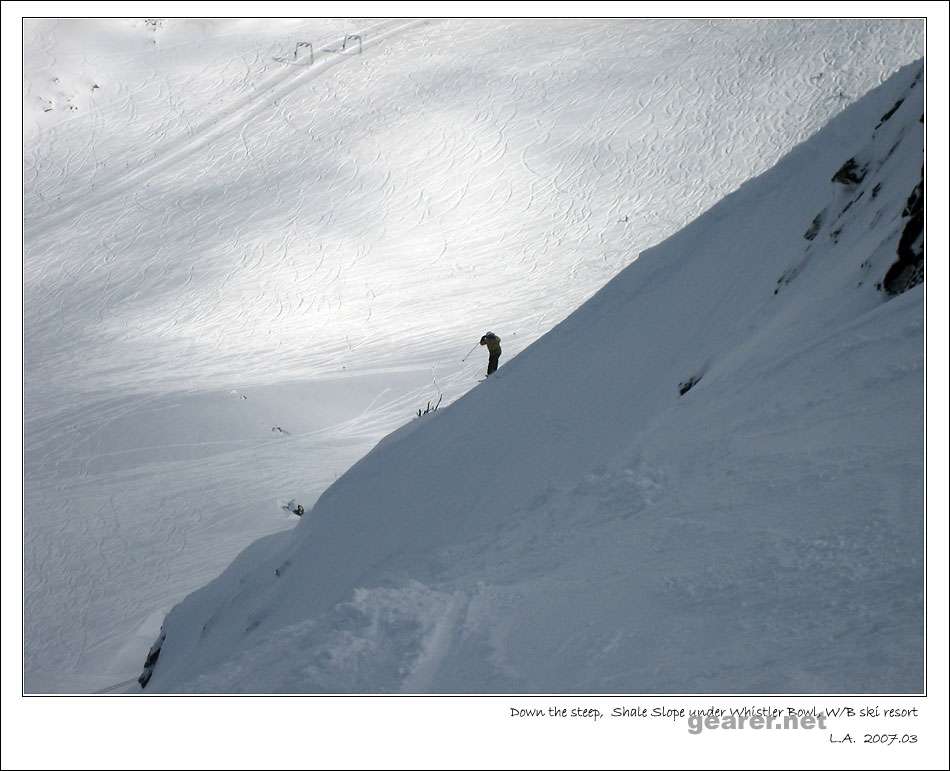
pixel 576 523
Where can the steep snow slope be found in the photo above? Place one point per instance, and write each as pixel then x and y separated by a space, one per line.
pixel 221 239
pixel 576 524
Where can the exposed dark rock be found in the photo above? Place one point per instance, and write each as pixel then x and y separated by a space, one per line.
pixel 876 190
pixel 902 277
pixel 889 113
pixel 151 659
pixel 852 202
pixel 851 173
pixel 687 384
pixel 788 276
pixel 815 226
pixel 915 202
pixel 908 271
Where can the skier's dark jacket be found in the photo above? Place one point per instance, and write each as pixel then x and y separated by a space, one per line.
pixel 493 342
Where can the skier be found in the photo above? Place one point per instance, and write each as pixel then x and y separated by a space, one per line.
pixel 494 349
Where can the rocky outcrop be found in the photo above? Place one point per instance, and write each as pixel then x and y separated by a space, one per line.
pixel 850 217
pixel 908 271
pixel 851 173
pixel 151 659
pixel 687 384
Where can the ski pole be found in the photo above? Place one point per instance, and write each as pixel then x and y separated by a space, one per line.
pixel 470 352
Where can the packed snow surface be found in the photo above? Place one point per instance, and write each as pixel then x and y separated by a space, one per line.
pixel 244 266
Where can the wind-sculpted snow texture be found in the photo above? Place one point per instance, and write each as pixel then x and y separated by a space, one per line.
pixel 580 523
pixel 221 238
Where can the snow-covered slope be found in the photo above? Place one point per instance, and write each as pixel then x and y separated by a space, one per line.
pixel 576 523
pixel 222 238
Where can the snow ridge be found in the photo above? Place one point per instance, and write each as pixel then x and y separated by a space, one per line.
pixel 577 524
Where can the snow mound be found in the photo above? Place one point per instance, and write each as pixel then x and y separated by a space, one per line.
pixel 579 522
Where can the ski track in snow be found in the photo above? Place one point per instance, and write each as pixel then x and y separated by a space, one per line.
pixel 216 217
